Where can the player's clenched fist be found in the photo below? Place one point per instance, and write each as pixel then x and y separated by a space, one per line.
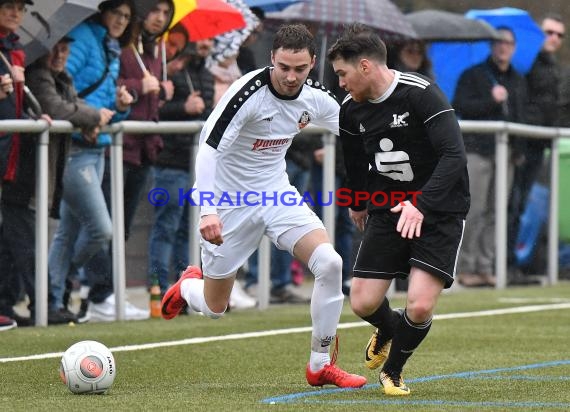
pixel 211 229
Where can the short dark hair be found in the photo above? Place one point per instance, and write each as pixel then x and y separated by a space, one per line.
pixel 295 37
pixel 552 16
pixel 356 41
pixel 505 28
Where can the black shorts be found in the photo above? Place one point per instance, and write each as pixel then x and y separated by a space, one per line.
pixel 384 254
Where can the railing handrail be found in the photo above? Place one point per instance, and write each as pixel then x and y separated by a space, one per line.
pixel 501 129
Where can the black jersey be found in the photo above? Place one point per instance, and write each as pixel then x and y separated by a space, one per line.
pixel 412 142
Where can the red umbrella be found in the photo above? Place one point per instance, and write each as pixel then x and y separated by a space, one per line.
pixel 209 18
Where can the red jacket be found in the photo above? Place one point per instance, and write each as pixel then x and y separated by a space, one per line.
pixel 11 107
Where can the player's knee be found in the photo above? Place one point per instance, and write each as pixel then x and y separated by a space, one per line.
pixel 216 312
pixel 361 306
pixel 325 261
pixel 419 311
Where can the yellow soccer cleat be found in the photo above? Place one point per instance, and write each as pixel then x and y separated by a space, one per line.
pixel 375 356
pixel 393 384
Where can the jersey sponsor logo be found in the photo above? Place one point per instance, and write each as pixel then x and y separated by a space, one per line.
pixel 393 164
pixel 362 129
pixel 268 119
pixel 399 120
pixel 304 120
pixel 261 144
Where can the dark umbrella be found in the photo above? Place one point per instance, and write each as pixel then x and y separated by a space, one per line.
pixel 46 22
pixel 331 15
pixel 438 25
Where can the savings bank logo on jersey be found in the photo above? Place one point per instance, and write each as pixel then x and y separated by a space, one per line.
pixel 394 164
pixel 399 120
pixel 304 120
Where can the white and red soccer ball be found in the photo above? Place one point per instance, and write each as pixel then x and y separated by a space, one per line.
pixel 88 367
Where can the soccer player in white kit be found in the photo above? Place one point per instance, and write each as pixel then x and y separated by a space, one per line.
pixel 244 192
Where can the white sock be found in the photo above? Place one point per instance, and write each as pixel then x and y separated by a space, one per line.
pixel 192 291
pixel 318 360
pixel 327 299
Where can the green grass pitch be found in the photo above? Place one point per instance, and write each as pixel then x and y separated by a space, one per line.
pixel 480 360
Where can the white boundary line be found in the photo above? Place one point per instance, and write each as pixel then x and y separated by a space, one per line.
pixel 236 336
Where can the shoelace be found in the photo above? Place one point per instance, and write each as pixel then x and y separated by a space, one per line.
pixel 377 346
pixel 335 351
pixel 333 372
pixel 394 377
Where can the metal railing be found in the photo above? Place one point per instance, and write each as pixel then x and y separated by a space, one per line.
pixel 502 131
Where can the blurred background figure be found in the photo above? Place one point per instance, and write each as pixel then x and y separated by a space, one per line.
pixel 54 89
pixel 17 236
pixel 410 56
pixel 85 225
pixel 246 60
pixel 491 90
pixel 193 99
pixel 141 72
pixel 543 109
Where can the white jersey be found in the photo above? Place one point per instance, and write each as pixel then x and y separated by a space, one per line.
pixel 251 129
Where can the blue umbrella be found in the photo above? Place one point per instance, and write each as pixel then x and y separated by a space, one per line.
pixel 272 5
pixel 451 59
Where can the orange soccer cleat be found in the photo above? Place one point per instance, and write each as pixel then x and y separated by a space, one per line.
pixel 173 302
pixel 331 374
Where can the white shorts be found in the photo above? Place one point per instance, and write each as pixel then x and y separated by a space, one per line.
pixel 243 229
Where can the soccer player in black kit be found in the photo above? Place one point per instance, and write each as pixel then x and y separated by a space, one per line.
pixel 399 134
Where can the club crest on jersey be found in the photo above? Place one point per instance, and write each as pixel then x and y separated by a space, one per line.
pixel 399 120
pixel 304 120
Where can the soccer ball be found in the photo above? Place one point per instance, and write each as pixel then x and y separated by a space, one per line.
pixel 88 367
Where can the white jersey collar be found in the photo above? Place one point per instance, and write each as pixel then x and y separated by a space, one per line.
pixel 390 89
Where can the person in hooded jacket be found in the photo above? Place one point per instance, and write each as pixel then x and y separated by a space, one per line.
pixel 141 72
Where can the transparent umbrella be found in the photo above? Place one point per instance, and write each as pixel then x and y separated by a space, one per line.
pixel 329 16
pixel 46 22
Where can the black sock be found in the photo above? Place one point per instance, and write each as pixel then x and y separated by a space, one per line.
pixel 384 319
pixel 408 336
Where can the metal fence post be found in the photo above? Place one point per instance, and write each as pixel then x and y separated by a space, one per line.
pixel 501 201
pixel 553 235
pixel 118 219
pixel 329 163
pixel 263 273
pixel 194 211
pixel 42 229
